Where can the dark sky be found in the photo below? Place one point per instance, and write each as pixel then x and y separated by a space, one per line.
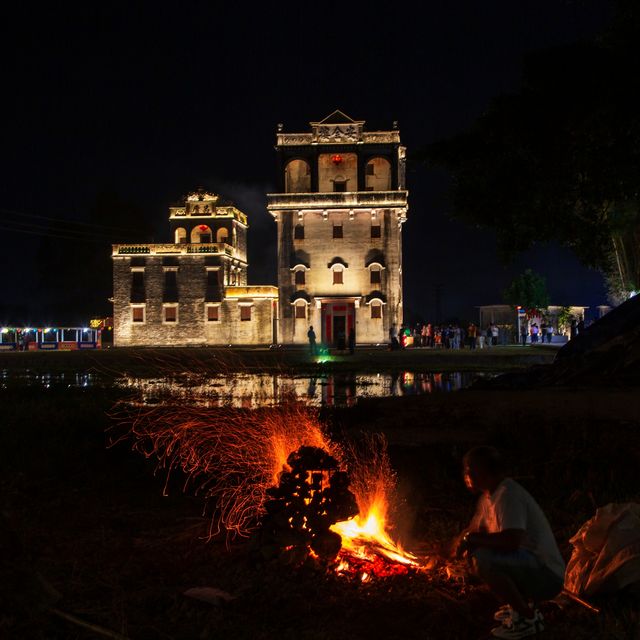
pixel 149 103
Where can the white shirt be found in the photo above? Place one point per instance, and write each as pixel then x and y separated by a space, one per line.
pixel 511 506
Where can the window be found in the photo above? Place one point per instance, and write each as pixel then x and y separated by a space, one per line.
pixel 137 286
pixel 375 275
pixel 205 238
pixel 245 312
pixel 170 313
pixel 376 231
pixel 181 235
pixel 222 235
pixel 376 311
pixel 337 231
pixel 300 276
pixel 337 276
pixel 137 314
pixel 301 311
pixel 339 185
pixel 370 169
pixel 298 232
pixel 213 313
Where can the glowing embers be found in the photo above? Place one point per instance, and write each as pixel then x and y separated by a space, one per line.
pixel 309 517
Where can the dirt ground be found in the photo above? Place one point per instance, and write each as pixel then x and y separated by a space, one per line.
pixel 94 523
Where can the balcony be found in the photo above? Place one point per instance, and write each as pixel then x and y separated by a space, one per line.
pixel 336 200
pixel 219 248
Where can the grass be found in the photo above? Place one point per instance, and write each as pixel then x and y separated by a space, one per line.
pixel 110 363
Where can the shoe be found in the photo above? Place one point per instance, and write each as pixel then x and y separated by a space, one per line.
pixel 517 627
pixel 503 613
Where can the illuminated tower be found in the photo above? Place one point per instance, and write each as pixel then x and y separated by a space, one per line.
pixel 340 209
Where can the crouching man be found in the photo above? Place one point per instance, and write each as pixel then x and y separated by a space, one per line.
pixel 509 545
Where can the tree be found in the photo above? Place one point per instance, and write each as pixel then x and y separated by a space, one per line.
pixel 560 159
pixel 528 290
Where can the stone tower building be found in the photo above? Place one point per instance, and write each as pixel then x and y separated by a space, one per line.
pixel 193 290
pixel 340 208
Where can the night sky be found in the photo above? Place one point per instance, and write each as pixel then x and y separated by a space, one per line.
pixel 149 103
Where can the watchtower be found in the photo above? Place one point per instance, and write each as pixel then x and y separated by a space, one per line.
pixel 340 208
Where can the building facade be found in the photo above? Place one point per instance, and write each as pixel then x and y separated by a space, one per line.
pixel 339 212
pixel 192 291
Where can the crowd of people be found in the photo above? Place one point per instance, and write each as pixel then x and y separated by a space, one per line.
pixel 450 336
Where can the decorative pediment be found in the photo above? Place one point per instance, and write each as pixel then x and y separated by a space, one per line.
pixel 338 117
pixel 376 295
pixel 337 128
pixel 300 295
pixel 337 260
pixel 374 256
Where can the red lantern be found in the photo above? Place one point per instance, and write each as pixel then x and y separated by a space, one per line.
pixel 203 227
pixel 336 159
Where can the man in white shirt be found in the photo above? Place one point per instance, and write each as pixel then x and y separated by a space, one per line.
pixel 510 545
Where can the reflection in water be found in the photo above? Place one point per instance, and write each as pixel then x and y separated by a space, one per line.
pixel 251 390
pixel 46 380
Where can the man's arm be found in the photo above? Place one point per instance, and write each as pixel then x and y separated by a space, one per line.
pixel 507 541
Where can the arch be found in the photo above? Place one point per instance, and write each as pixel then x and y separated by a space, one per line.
pixel 378 174
pixel 222 235
pixel 181 235
pixel 201 233
pixel 374 256
pixel 337 261
pixel 297 176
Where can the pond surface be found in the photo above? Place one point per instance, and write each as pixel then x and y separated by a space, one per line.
pixel 251 390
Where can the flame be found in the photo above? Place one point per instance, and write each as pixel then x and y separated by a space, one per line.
pixel 233 456
pixel 366 537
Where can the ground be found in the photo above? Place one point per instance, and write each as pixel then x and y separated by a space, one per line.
pixel 94 523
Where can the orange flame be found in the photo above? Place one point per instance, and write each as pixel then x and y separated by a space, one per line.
pixel 233 456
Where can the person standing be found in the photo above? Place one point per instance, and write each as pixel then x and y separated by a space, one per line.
pixel 471 335
pixel 311 335
pixel 509 545
pixel 352 340
pixel 523 334
pixel 549 333
pixel 393 336
pixel 495 332
pixel 423 336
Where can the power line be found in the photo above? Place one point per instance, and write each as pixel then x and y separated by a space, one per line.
pixel 63 221
pixel 78 233
pixel 53 235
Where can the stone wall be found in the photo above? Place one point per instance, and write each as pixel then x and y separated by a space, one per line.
pixel 192 326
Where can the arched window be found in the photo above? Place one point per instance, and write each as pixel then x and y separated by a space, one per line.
pixel 201 234
pixel 376 310
pixel 297 176
pixel 301 310
pixel 375 273
pixel 222 235
pixel 338 274
pixel 181 235
pixel 378 175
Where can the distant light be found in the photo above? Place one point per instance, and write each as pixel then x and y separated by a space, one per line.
pixel 46 330
pixel 85 330
pixel 5 330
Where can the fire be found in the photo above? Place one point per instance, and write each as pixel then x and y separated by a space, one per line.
pixel 233 457
pixel 366 537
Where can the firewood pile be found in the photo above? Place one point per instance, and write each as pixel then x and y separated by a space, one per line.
pixel 311 495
